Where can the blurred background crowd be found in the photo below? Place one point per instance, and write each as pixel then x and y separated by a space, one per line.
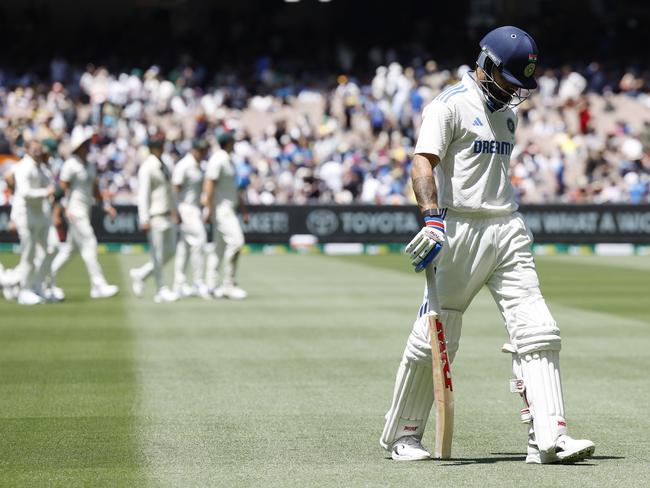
pixel 338 126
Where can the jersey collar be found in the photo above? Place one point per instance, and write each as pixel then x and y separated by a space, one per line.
pixel 469 79
pixel 471 82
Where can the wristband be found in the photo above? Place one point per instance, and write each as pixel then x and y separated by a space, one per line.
pixel 435 223
pixel 435 212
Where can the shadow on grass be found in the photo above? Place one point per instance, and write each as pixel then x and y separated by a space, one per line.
pixel 498 457
pixel 501 457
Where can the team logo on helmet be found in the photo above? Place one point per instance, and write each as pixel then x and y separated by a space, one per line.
pixel 529 70
pixel 511 125
pixel 532 58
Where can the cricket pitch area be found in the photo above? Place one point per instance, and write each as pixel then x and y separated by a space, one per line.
pixel 289 387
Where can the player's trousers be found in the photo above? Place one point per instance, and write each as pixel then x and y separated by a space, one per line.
pixel 37 251
pixel 228 238
pixel 491 251
pixel 191 244
pixel 162 242
pixel 81 236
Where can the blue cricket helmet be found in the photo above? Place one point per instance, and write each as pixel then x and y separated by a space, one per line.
pixel 513 52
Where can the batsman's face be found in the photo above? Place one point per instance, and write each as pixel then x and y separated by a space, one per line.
pixel 507 87
pixel 502 90
pixel 35 150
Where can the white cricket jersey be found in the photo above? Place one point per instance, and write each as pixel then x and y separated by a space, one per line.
pixel 154 189
pixel 221 169
pixel 474 147
pixel 81 179
pixel 188 175
pixel 32 181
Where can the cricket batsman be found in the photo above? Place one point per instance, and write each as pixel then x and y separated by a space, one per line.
pixel 187 181
pixel 222 199
pixel 78 179
pixel 473 236
pixel 158 218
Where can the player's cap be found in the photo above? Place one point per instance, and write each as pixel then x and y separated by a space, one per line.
pixel 225 136
pixel 50 145
pixel 200 144
pixel 156 140
pixel 79 137
pixel 514 53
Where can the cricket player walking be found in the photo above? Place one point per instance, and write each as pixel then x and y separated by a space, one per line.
pixel 78 178
pixel 474 237
pixel 157 215
pixel 222 198
pixel 187 181
pixel 31 213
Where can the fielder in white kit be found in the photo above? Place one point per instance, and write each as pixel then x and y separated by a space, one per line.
pixel 31 213
pixel 187 181
pixel 78 178
pixel 473 236
pixel 157 216
pixel 222 199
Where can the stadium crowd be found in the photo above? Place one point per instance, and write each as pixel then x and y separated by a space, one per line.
pixel 583 136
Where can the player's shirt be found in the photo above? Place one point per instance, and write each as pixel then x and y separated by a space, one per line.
pixel 32 180
pixel 81 178
pixel 188 175
pixel 221 169
pixel 154 189
pixel 474 146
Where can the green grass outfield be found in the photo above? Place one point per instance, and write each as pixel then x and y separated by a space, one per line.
pixel 289 387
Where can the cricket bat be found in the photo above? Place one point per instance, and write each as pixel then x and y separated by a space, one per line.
pixel 443 389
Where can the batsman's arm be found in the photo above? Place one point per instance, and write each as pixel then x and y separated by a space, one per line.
pixel 103 201
pixel 424 184
pixel 10 180
pixel 243 210
pixel 208 198
pixel 426 245
pixel 144 197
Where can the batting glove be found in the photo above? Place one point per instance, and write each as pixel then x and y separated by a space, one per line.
pixel 426 245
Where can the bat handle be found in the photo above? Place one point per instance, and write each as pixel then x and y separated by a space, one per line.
pixel 432 289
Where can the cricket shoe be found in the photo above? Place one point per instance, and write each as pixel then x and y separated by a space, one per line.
pixel 230 291
pixel 53 294
pixel 137 284
pixel 185 290
pixel 10 292
pixel 203 291
pixel 29 297
pixel 104 291
pixel 567 450
pixel 408 448
pixel 165 295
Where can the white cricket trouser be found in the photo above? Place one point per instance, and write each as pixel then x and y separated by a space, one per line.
pixel 228 238
pixel 192 241
pixel 162 242
pixel 492 251
pixel 37 250
pixel 82 237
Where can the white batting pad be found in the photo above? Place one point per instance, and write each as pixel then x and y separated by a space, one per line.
pixel 541 374
pixel 418 345
pixel 532 328
pixel 412 401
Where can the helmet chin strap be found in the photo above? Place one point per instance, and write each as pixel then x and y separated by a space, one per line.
pixel 495 106
pixel 493 103
pixel 496 98
pixel 491 90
